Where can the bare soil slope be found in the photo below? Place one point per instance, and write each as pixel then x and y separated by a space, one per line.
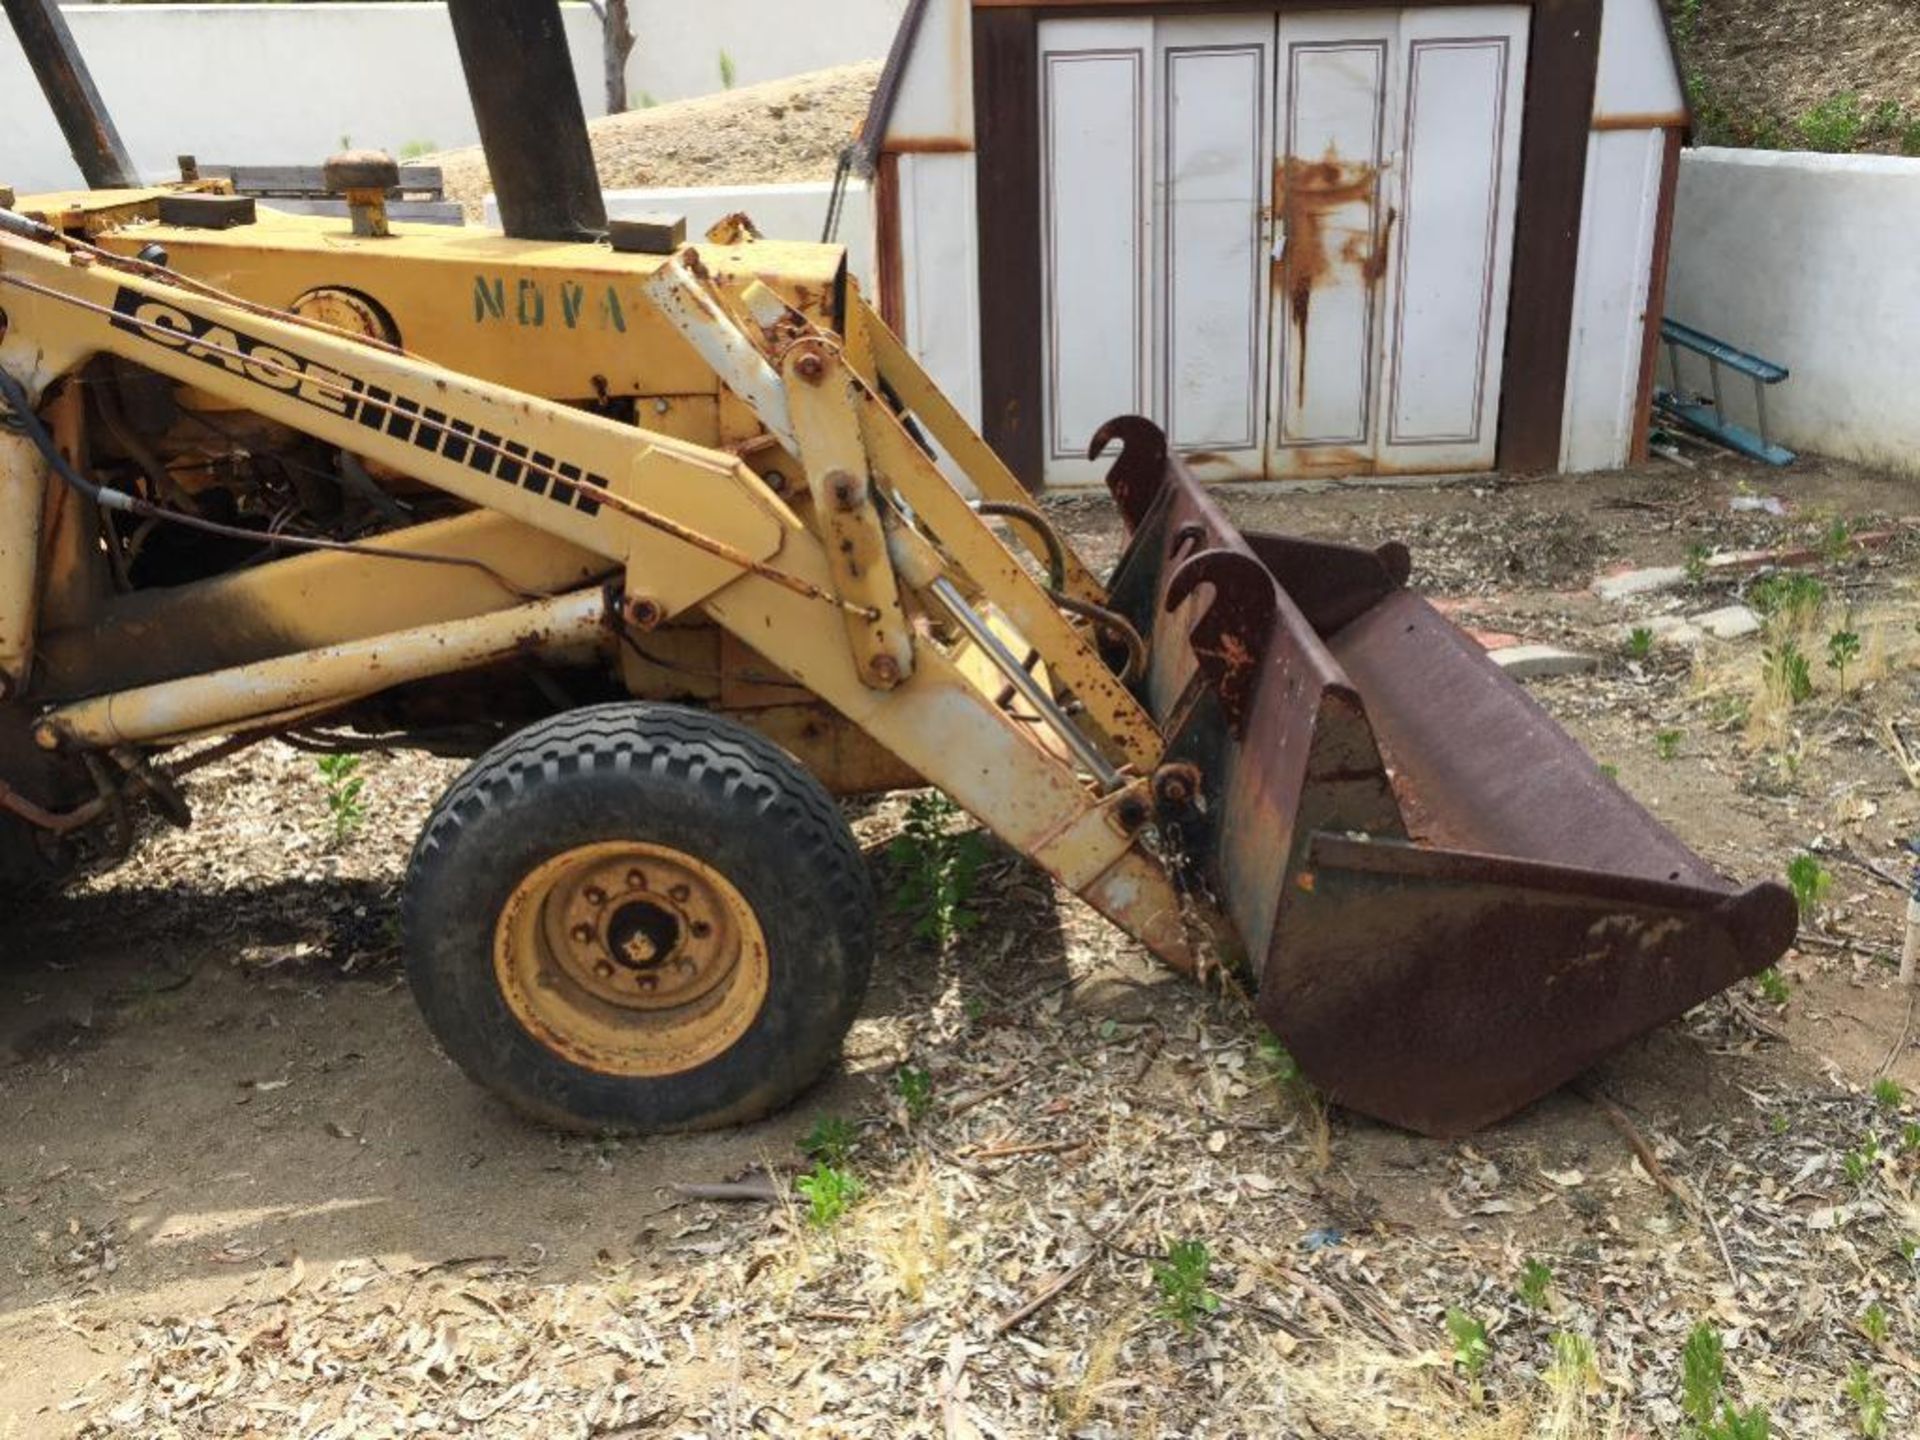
pixel 778 133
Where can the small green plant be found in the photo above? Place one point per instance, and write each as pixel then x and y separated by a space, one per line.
pixel 1836 541
pixel 1909 1248
pixel 1887 1093
pixel 915 1089
pixel 1697 557
pixel 1843 648
pixel 1572 1376
pixel 1910 1136
pixel 1835 125
pixel 1471 1347
pixel 1536 1279
pixel 1790 603
pixel 1869 1403
pixel 1772 986
pixel 414 149
pixel 1779 1124
pixel 1666 743
pixel 1874 1323
pixel 1703 1373
pixel 726 71
pixel 346 795
pixel 1639 643
pixel 1181 1279
pixel 1612 772
pixel 831 1139
pixel 1276 1061
pixel 1788 674
pixel 1858 1164
pixel 938 867
pixel 1810 881
pixel 1751 1424
pixel 830 1192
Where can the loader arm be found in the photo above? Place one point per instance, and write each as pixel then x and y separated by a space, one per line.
pixel 686 527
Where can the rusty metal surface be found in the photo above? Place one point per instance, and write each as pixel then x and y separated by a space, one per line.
pixel 1451 908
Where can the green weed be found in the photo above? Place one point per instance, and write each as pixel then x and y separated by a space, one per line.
pixel 1836 541
pixel 1787 672
pixel 1612 772
pixel 1666 743
pixel 1639 643
pixel 727 71
pixel 1773 986
pixel 346 795
pixel 831 1139
pixel 1181 1280
pixel 1790 603
pixel 915 1089
pixel 414 149
pixel 1810 881
pixel 938 867
pixel 1535 1281
pixel 1836 125
pixel 1874 1323
pixel 1887 1093
pixel 1858 1164
pixel 829 1192
pixel 1471 1347
pixel 1910 1136
pixel 1703 1373
pixel 1843 648
pixel 1697 557
pixel 1869 1403
pixel 1276 1061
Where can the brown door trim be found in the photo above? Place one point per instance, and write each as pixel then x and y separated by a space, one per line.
pixel 1562 66
pixel 1563 61
pixel 1006 107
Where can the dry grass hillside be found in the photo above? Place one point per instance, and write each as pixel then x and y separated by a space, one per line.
pixel 783 131
pixel 1840 75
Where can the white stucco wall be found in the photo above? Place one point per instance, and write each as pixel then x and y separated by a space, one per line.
pixel 678 47
pixel 282 84
pixel 258 84
pixel 1810 261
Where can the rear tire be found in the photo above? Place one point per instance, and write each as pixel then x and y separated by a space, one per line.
pixel 641 918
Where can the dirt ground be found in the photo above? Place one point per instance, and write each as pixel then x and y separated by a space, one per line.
pixel 243 1193
pixel 773 134
pixel 1784 57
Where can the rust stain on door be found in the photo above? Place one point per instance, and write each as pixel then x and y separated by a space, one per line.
pixel 1311 194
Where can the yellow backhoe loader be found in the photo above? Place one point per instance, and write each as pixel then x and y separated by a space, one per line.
pixel 657 532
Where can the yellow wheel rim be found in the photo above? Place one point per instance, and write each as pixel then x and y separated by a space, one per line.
pixel 631 959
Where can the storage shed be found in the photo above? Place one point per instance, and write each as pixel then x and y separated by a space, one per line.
pixel 1307 240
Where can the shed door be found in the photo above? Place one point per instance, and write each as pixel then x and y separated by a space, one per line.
pixel 1398 141
pixel 1286 239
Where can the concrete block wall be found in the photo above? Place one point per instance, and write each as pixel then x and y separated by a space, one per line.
pixel 1809 260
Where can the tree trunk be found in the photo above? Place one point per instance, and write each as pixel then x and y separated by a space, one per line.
pixel 617 45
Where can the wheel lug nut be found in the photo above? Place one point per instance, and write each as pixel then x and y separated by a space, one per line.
pixel 679 894
pixel 595 895
pixel 699 929
pixel 603 968
pixel 635 880
pixel 583 933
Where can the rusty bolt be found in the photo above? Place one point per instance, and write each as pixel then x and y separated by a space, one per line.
pixel 810 368
pixel 635 880
pixel 846 489
pixel 642 613
pixel 776 482
pixel 595 895
pixel 680 894
pixel 1131 812
pixel 1176 786
pixel 603 968
pixel 583 934
pixel 885 669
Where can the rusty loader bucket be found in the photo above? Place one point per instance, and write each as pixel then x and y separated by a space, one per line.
pixel 1449 908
